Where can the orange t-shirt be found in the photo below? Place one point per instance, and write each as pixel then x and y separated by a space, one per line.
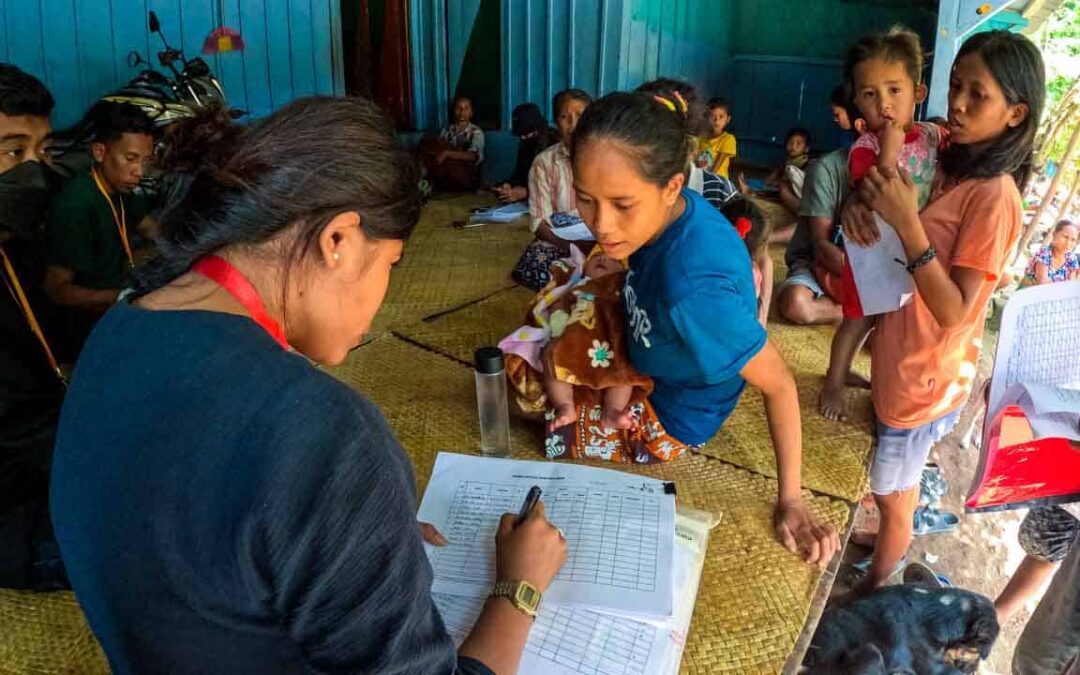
pixel 919 370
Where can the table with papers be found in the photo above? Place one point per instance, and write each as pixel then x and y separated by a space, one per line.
pixel 622 602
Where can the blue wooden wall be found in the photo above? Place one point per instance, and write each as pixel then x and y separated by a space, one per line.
pixel 550 45
pixel 79 48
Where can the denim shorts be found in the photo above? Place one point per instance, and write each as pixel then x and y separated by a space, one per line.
pixel 901 453
pixel 801 274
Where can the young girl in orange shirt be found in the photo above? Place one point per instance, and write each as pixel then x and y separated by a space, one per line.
pixel 925 355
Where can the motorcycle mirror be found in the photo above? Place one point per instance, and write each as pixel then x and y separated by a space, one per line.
pixel 134 59
pixel 155 25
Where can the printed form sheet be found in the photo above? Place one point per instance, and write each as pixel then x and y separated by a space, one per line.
pixel 574 641
pixel 615 523
pixel 1039 341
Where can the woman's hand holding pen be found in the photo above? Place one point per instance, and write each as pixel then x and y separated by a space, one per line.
pixel 532 551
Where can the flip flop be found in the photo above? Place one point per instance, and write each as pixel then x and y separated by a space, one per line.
pixel 932 521
pixel 919 573
pixel 863 566
pixel 932 486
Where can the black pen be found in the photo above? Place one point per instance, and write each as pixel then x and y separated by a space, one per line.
pixel 530 503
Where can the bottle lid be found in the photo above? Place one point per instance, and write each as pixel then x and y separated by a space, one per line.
pixel 489 361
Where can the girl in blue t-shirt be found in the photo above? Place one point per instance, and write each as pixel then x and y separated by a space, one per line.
pixel 689 296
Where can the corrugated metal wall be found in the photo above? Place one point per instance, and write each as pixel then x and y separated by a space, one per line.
pixel 549 45
pixel 777 93
pixel 79 48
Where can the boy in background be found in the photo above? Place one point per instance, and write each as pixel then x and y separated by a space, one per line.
pixel 715 151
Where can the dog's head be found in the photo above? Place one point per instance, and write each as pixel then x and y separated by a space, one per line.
pixel 905 629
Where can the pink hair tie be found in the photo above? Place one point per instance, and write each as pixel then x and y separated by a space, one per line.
pixel 665 102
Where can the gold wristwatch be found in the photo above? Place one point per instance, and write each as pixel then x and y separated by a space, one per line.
pixel 524 596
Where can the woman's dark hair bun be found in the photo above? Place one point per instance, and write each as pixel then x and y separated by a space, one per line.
pixel 204 141
pixel 295 170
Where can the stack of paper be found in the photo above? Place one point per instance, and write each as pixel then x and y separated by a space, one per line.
pixel 882 281
pixel 623 600
pixel 1029 453
pixel 505 213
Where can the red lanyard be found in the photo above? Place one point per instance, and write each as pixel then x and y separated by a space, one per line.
pixel 222 272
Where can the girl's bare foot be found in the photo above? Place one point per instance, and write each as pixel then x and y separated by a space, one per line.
pixel 831 402
pixel 856 380
pixel 564 414
pixel 617 419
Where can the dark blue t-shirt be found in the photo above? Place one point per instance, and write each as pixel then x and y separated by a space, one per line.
pixel 224 507
pixel 692 317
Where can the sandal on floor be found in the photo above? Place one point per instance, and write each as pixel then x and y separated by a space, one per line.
pixel 932 486
pixel 918 573
pixel 932 521
pixel 863 566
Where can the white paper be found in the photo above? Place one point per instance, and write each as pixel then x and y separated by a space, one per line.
pixel 1039 341
pixel 569 641
pixel 576 232
pixel 1053 412
pixel 880 271
pixel 573 641
pixel 506 213
pixel 615 525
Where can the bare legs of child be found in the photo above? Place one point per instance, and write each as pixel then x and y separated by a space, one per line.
pixel 897 511
pixel 616 408
pixel 849 338
pixel 561 396
pixel 1028 579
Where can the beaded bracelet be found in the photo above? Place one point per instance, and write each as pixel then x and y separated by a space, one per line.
pixel 928 255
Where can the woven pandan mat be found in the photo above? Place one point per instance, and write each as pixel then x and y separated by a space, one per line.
pixel 754 596
pixel 46 634
pixel 460 332
pixel 444 267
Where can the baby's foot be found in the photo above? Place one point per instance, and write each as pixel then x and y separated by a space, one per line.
pixel 564 414
pixel 617 419
pixel 831 402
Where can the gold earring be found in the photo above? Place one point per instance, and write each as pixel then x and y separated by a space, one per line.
pixel 337 257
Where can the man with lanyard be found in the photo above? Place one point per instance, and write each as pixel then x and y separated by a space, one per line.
pixel 93 221
pixel 31 387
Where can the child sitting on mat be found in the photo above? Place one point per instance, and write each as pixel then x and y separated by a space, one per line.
pixel 576 337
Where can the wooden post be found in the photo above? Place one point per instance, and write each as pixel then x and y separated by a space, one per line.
pixel 1064 212
pixel 1057 120
pixel 1029 231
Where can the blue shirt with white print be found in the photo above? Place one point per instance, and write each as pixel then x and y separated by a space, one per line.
pixel 692 320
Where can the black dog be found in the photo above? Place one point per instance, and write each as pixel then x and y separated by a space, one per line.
pixel 913 629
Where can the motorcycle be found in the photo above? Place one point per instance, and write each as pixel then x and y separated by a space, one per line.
pixel 165 100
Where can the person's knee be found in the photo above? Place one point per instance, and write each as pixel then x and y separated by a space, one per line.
pixel 794 303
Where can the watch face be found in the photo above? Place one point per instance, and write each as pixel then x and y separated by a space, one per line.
pixel 528 595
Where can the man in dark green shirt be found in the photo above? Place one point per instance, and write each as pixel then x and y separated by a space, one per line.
pixel 95 218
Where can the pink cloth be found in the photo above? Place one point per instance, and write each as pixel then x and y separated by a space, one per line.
pixel 528 342
pixel 918 156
